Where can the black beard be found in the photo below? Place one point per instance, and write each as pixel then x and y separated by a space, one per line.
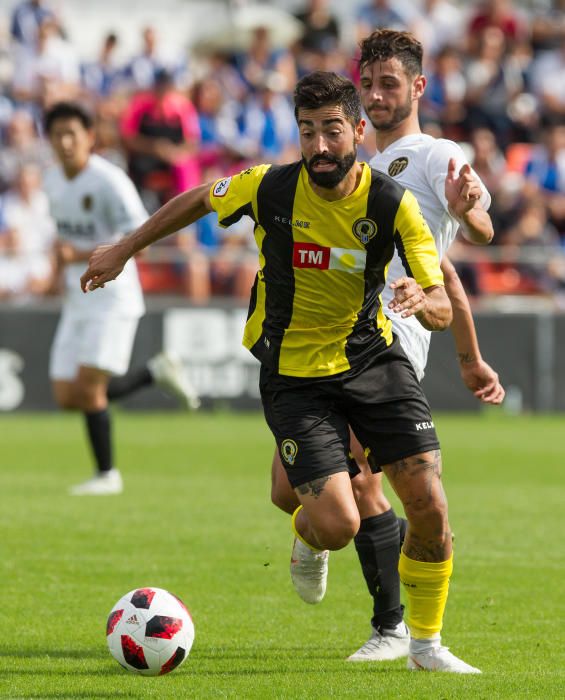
pixel 329 180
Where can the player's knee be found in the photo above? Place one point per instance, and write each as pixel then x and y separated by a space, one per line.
pixel 427 515
pixel 89 399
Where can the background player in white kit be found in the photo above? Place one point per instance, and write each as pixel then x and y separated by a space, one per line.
pixel 94 202
pixel 451 196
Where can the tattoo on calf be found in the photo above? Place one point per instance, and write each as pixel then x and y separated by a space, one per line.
pixel 313 488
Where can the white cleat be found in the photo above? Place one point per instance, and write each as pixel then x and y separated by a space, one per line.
pixel 439 659
pixel 103 484
pixel 384 645
pixel 170 375
pixel 309 572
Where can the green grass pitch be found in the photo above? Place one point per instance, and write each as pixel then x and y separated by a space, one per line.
pixel 196 518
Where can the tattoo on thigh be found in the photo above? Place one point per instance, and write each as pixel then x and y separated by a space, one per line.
pixel 313 488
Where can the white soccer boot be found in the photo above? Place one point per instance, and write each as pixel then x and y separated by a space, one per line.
pixel 438 659
pixel 169 375
pixel 309 572
pixel 103 484
pixel 384 645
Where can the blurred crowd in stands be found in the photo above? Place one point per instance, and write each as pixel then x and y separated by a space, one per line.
pixel 496 84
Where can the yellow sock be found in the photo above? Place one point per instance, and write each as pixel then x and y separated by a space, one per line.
pixel 426 585
pixel 297 534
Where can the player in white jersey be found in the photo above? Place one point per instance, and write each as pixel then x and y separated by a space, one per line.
pixel 451 197
pixel 94 202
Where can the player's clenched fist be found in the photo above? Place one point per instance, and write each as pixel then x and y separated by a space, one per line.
pixel 409 297
pixel 104 265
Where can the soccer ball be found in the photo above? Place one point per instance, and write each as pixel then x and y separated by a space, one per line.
pixel 149 631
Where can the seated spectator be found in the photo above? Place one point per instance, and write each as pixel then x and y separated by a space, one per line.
pixel 321 28
pixel 27 16
pixel 143 71
pixel 219 132
pixel 548 27
pixel 492 83
pixel 261 59
pixel 443 100
pixel 545 172
pixel 101 77
pixel 26 237
pixel 440 23
pixel 161 135
pixel 46 72
pixel 377 14
pixel 269 132
pixel 496 14
pixel 548 81
pixel 22 146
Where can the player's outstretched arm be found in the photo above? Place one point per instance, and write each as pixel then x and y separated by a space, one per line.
pixel 431 306
pixel 478 376
pixel 107 261
pixel 463 193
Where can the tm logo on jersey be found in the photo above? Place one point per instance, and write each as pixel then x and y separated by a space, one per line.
pixel 319 257
pixel 397 166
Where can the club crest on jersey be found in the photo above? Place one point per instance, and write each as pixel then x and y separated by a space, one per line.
pixel 397 166
pixel 289 450
pixel 221 187
pixel 87 202
pixel 364 230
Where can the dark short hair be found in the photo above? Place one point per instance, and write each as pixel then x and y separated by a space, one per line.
pixel 323 89
pixel 384 44
pixel 67 110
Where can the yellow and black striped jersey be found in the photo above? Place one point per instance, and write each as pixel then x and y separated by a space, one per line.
pixel 315 307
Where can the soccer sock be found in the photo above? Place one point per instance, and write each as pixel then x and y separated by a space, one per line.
pixel 118 387
pixel 298 535
pixel 100 436
pixel 377 545
pixel 426 585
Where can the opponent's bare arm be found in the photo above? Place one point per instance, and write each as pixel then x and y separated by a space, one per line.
pixel 107 261
pixel 463 193
pixel 478 376
pixel 431 306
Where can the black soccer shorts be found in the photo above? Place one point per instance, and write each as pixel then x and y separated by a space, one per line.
pixel 383 403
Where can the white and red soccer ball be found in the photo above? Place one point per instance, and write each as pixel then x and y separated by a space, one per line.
pixel 149 631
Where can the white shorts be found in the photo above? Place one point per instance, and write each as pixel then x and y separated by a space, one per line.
pixel 103 343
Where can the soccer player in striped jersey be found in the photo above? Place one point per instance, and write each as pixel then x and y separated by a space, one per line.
pixel 326 229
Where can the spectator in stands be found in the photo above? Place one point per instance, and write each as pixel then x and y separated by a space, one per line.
pixel 548 81
pixel 261 59
pixel 26 237
pixel 545 172
pixel 143 70
pixel 101 77
pixel 321 28
pixel 495 14
pixel 27 17
pixel 443 100
pixel 217 117
pixel 22 146
pixel 377 14
pixel 440 23
pixel 46 72
pixel 492 83
pixel 269 127
pixel 161 134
